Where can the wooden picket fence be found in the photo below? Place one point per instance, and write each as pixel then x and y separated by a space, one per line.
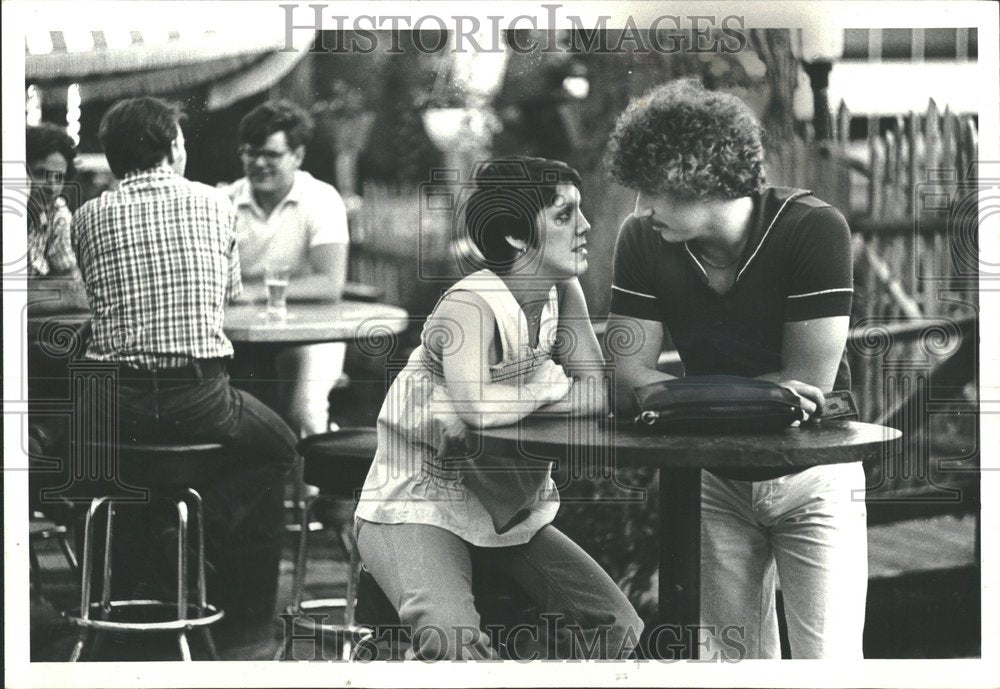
pixel 402 249
pixel 909 194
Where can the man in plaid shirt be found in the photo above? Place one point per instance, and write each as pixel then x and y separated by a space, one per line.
pixel 158 257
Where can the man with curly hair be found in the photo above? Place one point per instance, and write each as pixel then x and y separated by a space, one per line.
pixel 751 280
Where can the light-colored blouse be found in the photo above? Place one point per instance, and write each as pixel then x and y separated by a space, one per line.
pixel 412 481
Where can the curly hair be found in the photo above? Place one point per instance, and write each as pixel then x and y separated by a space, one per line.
pixel 683 139
pixel 45 139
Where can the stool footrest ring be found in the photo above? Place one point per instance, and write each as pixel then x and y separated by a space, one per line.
pixel 320 603
pixel 206 616
pixel 324 604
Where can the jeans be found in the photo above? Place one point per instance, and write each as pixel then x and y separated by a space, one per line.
pixel 807 528
pixel 211 411
pixel 426 573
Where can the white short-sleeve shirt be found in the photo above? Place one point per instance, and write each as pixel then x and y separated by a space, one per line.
pixel 312 214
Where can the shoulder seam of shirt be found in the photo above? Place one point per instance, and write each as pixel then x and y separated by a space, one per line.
pixel 812 209
pixel 322 187
pixel 819 292
pixel 774 221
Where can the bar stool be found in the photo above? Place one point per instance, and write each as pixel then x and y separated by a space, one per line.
pixel 170 470
pixel 299 494
pixel 337 463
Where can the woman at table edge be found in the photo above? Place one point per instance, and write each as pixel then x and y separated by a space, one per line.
pixel 488 357
pixel 749 280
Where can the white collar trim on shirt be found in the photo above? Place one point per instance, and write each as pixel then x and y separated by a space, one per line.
pixel 760 242
pixel 774 221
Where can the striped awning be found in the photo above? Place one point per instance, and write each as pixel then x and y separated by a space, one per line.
pixel 115 63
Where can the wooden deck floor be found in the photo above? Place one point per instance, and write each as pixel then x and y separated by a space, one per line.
pixel 920 545
pixel 901 549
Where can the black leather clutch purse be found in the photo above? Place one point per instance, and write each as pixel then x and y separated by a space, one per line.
pixel 716 404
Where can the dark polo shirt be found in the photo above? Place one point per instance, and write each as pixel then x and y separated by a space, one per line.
pixel 796 266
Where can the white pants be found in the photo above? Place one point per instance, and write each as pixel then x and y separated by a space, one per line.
pixel 307 374
pixel 808 528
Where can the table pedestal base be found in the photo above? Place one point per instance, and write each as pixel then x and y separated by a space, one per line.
pixel 680 564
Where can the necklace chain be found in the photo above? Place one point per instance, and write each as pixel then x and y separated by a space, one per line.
pixel 721 266
pixel 716 265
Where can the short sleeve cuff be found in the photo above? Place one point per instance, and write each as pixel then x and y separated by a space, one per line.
pixel 635 304
pixel 323 240
pixel 822 304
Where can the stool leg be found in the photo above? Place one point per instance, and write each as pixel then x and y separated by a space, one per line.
pixel 182 570
pixel 35 572
pixel 284 653
pixel 85 578
pixel 202 592
pixel 98 636
pixel 106 583
pixel 77 651
pixel 68 553
pixel 351 593
pixel 88 555
pixel 182 642
pixel 199 511
pixel 182 527
pixel 299 581
pixel 352 575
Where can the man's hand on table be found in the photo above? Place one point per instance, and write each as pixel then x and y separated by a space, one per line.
pixel 811 397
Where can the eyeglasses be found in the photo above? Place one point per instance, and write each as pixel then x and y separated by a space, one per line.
pixel 251 154
pixel 48 176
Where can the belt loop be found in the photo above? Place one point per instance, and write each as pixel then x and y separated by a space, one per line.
pixel 196 365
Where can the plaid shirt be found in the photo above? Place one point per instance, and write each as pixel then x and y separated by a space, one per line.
pixel 49 250
pixel 158 257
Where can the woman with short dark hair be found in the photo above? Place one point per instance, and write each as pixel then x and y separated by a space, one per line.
pixel 489 356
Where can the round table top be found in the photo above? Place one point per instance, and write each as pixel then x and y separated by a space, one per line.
pixel 314 322
pixel 829 442
pixel 307 322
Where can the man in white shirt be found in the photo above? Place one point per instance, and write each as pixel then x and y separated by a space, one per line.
pixel 286 217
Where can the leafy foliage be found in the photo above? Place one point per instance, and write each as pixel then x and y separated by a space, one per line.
pixel 621 536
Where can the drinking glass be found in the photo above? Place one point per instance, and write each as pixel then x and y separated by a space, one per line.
pixel 276 280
